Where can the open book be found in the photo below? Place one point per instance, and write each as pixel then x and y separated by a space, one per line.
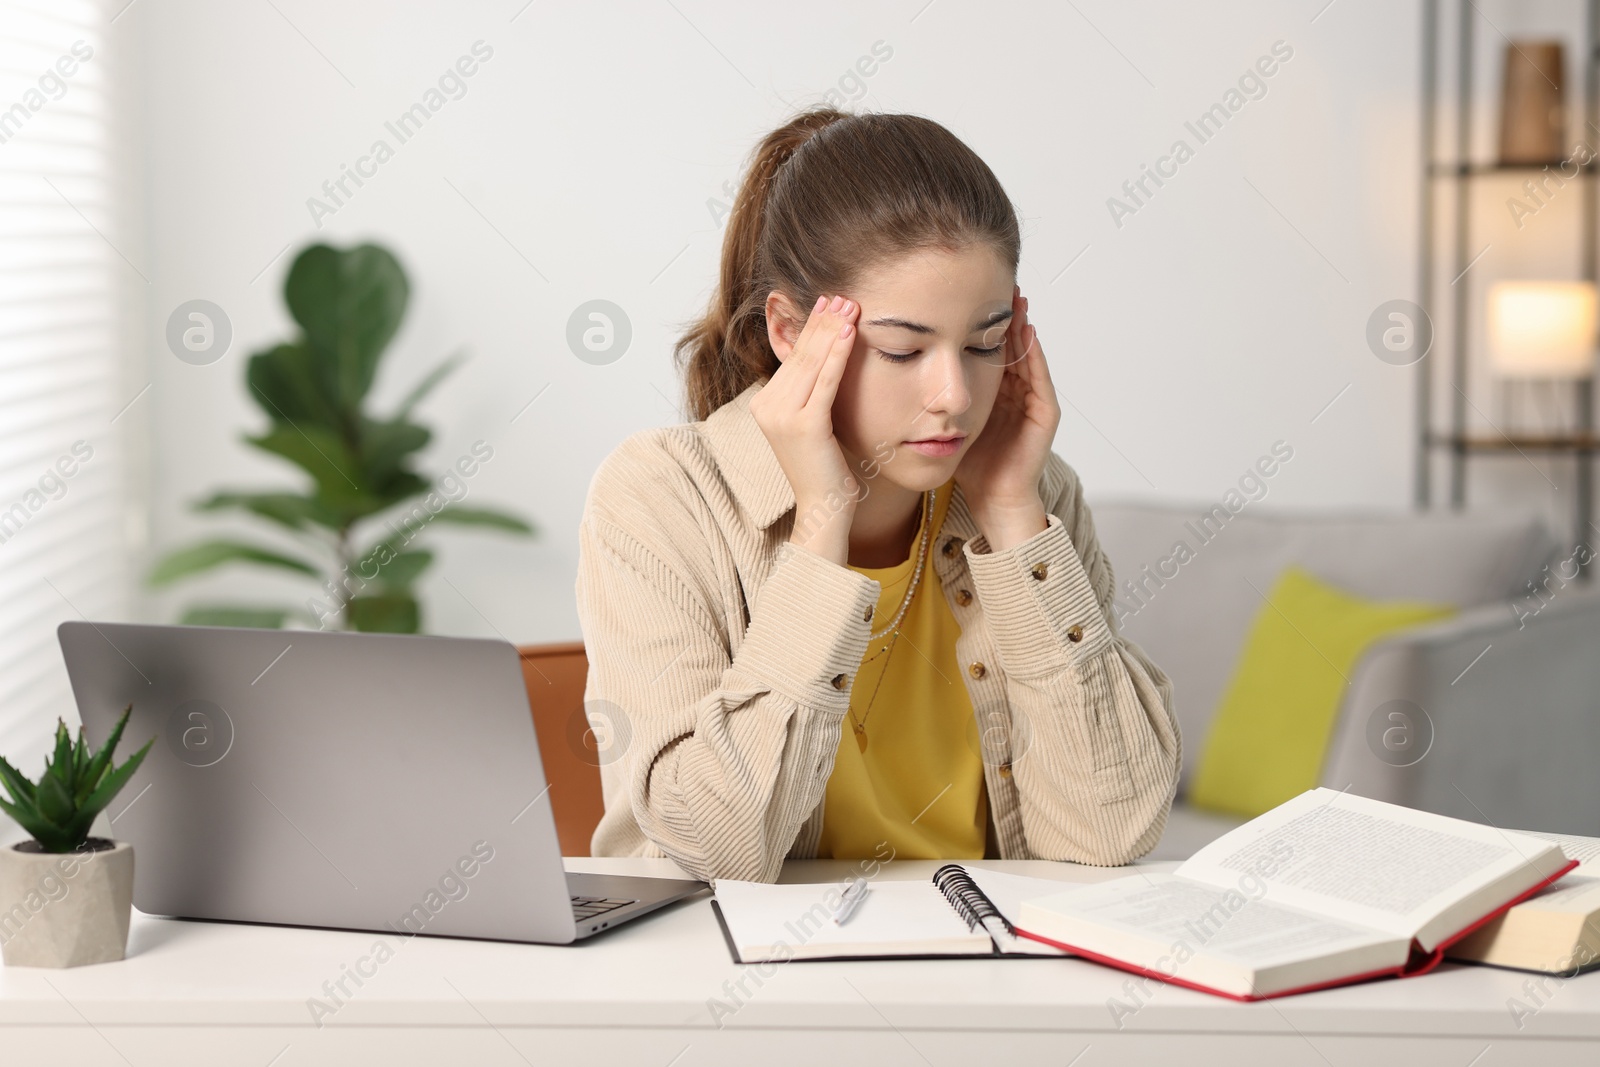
pixel 963 911
pixel 1557 930
pixel 1324 889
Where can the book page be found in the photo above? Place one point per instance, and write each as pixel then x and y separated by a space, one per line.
pixel 1586 850
pixel 1578 891
pixel 1180 912
pixel 1215 937
pixel 1573 893
pixel 1373 863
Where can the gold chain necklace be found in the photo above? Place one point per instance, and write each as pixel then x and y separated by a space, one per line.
pixel 860 725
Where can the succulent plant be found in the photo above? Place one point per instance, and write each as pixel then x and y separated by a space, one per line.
pixel 74 788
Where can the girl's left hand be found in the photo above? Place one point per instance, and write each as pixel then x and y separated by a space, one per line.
pixel 999 475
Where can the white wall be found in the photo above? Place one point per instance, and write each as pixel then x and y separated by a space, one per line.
pixel 1225 315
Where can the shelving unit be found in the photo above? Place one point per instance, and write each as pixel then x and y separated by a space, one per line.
pixel 1460 445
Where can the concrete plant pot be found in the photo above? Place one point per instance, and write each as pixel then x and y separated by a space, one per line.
pixel 65 909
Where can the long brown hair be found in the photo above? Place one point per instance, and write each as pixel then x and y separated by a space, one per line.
pixel 827 196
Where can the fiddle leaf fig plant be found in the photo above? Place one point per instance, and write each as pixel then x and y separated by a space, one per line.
pixel 359 464
pixel 75 787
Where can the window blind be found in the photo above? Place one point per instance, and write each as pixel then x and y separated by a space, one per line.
pixel 61 527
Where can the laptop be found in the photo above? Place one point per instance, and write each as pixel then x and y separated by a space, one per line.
pixel 387 782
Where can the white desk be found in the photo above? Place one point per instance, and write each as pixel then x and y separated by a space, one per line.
pixel 225 993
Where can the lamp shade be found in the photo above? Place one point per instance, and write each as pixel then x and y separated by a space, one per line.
pixel 1542 329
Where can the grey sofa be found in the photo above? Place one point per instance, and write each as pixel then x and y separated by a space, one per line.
pixel 1498 708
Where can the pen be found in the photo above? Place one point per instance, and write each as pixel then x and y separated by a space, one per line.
pixel 847 903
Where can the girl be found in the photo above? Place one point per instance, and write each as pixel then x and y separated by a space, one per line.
pixel 858 608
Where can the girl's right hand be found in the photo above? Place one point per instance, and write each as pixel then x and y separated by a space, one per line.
pixel 795 412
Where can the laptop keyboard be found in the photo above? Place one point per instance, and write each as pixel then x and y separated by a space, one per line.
pixel 588 907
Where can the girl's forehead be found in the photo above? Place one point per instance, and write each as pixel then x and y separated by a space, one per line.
pixel 922 286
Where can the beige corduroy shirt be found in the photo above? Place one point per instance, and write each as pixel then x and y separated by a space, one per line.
pixel 721 656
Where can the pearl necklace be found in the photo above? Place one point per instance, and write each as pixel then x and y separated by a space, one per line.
pixel 916 575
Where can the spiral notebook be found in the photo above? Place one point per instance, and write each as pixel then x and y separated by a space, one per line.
pixel 962 911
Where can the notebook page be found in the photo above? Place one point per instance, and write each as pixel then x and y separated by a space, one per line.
pixel 1368 862
pixel 780 921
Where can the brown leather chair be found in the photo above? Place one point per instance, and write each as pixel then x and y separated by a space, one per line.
pixel 555 676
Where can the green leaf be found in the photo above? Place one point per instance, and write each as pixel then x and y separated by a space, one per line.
pixel 208 554
pixel 320 453
pixel 54 800
pixel 349 302
pixel 290 510
pixel 385 447
pixel 402 487
pixel 102 759
pixel 500 520
pixel 39 828
pixel 61 765
pixel 20 788
pixel 108 789
pixel 403 569
pixel 284 382
pixel 260 618
pixel 394 570
pixel 424 387
pixel 393 613
pixel 76 832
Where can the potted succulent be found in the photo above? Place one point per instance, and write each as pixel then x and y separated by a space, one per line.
pixel 66 897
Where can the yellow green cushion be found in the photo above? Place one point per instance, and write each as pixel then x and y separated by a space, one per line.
pixel 1272 729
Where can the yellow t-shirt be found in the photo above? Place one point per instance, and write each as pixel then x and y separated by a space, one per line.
pixel 919 783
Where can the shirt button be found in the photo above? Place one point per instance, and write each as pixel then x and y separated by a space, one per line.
pixel 977 670
pixel 841 681
pixel 952 546
pixel 1005 769
pixel 868 616
pixel 1074 633
pixel 963 597
pixel 1040 570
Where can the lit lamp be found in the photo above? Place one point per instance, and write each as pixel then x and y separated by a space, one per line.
pixel 1542 330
